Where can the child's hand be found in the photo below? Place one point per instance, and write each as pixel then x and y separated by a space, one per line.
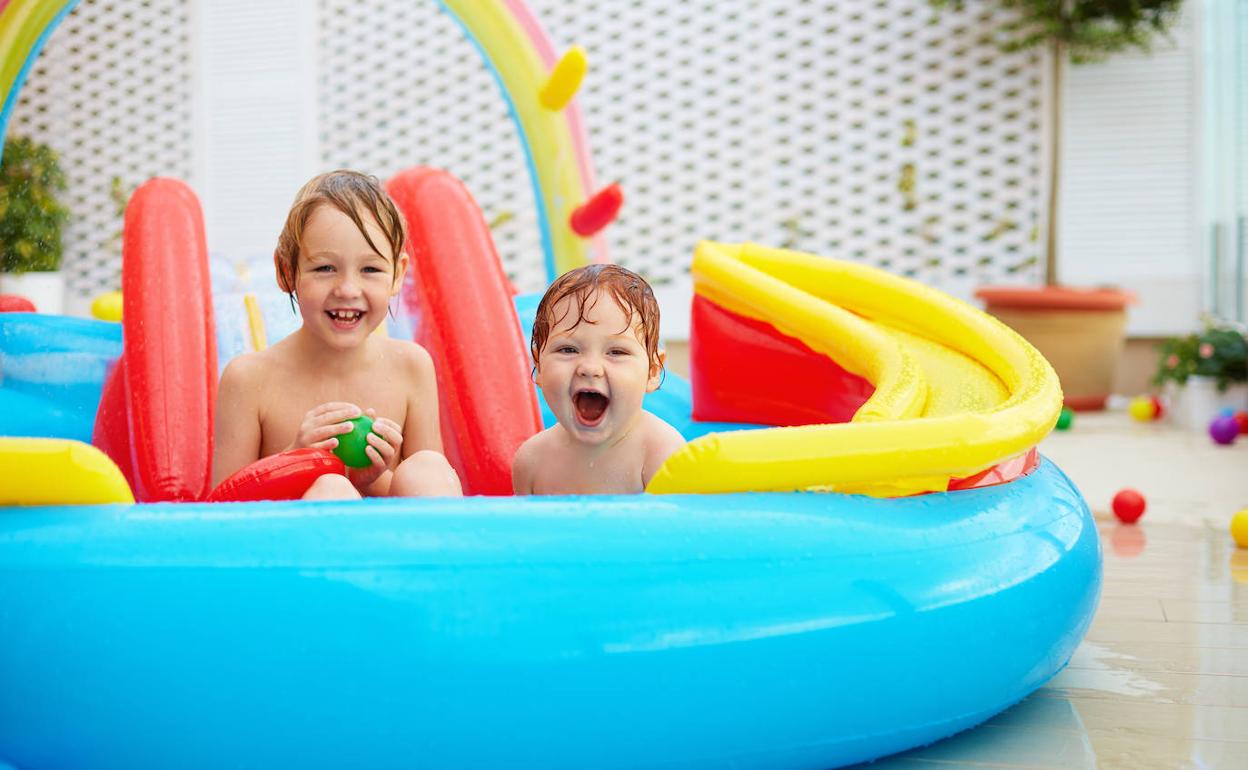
pixel 384 441
pixel 322 425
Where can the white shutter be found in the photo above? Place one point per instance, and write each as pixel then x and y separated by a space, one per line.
pixel 1130 193
pixel 257 117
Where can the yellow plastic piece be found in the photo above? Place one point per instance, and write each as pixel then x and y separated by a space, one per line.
pixel 54 471
pixel 1239 528
pixel 255 323
pixel 107 306
pixel 522 75
pixel 956 391
pixel 565 79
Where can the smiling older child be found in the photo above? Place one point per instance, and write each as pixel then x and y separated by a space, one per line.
pixel 340 257
pixel 596 352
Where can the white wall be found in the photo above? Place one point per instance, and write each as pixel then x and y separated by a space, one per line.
pixel 1130 210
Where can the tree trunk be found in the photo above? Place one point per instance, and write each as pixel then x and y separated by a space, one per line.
pixel 1057 62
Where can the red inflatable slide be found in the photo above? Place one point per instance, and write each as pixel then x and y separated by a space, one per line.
pixel 155 416
pixel 465 317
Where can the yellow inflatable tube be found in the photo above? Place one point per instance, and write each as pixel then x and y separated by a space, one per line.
pixel 21 24
pixel 53 471
pixel 867 320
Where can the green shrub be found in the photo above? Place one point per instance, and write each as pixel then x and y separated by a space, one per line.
pixel 31 217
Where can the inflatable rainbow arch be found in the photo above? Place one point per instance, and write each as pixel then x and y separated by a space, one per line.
pixel 858 551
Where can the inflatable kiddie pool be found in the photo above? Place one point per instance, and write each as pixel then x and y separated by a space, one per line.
pixel 858 552
pixel 715 627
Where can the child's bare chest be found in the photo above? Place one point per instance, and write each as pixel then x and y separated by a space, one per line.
pixel 573 473
pixel 289 402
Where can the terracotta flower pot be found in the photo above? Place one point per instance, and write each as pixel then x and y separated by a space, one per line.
pixel 1080 331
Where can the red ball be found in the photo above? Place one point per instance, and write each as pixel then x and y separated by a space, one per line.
pixel 1159 409
pixel 1129 506
pixel 15 303
pixel 1241 419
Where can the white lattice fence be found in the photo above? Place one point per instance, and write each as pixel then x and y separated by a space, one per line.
pixel 112 94
pixel 875 131
pixel 869 129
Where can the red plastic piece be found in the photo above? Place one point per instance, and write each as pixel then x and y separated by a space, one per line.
pixel 1159 408
pixel 1241 419
pixel 744 370
pixel 466 319
pixel 1129 506
pixel 16 303
pixel 283 476
pixel 599 211
pixel 1001 473
pixel 156 420
pixel 112 425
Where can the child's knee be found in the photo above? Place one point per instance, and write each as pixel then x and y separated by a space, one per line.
pixel 332 486
pixel 426 474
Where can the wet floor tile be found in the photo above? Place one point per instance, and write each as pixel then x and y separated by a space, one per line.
pixel 1161 679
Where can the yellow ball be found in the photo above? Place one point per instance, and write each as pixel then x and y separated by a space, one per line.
pixel 107 306
pixel 1142 408
pixel 1239 528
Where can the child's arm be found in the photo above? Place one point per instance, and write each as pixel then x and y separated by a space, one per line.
pixel 236 440
pixel 422 429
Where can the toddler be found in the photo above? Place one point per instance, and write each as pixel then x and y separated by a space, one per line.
pixel 596 353
pixel 341 258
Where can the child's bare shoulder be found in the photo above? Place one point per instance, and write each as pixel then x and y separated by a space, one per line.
pixel 660 434
pixel 529 457
pixel 661 441
pixel 247 370
pixel 413 359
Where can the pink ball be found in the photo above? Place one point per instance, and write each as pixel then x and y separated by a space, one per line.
pixel 1224 430
pixel 1129 506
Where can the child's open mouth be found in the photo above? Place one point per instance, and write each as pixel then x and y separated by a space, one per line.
pixel 590 407
pixel 345 319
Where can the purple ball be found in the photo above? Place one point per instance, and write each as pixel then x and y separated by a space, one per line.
pixel 1224 430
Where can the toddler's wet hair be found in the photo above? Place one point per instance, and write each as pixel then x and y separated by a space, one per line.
pixel 629 291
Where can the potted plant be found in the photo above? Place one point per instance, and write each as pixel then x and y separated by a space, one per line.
pixel 1080 331
pixel 31 218
pixel 1204 373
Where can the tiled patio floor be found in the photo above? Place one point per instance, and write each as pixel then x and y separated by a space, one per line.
pixel 1161 681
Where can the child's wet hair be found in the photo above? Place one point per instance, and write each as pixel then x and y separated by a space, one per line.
pixel 353 194
pixel 629 291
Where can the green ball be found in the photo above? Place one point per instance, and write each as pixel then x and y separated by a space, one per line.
pixel 351 445
pixel 1065 419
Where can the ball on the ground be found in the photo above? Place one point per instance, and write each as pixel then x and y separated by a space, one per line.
pixel 351 445
pixel 1241 418
pixel 1239 528
pixel 1065 418
pixel 1224 430
pixel 1142 409
pixel 1129 506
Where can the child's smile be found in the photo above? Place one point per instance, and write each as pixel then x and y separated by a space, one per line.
pixel 591 406
pixel 345 319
